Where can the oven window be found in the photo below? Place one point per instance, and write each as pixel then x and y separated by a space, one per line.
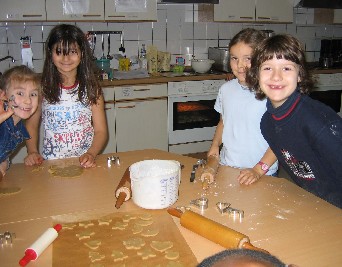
pixel 331 98
pixel 194 114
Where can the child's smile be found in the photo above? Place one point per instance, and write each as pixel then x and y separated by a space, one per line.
pixel 278 79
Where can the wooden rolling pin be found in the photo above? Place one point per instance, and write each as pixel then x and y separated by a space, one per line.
pixel 212 230
pixel 209 171
pixel 123 191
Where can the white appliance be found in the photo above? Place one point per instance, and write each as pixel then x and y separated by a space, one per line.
pixel 328 90
pixel 192 119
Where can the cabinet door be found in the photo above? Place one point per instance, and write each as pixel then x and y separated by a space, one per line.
pixel 22 10
pixel 126 10
pixel 76 10
pixel 141 125
pixel 235 10
pixel 274 11
pixel 337 16
pixel 110 116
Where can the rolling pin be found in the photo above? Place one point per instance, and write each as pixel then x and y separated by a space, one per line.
pixel 123 191
pixel 212 230
pixel 209 171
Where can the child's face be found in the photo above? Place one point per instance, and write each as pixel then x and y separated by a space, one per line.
pixel 240 60
pixel 66 64
pixel 278 79
pixel 23 99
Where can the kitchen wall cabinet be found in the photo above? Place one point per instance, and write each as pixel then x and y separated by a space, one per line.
pixel 235 10
pixel 22 10
pixel 56 11
pixel 131 10
pixel 337 16
pixel 272 11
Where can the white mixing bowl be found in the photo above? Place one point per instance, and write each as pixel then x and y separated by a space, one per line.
pixel 201 65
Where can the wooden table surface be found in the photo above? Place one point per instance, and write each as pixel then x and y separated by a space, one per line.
pixel 280 217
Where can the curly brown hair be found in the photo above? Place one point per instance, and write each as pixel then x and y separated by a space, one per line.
pixel 89 89
pixel 281 46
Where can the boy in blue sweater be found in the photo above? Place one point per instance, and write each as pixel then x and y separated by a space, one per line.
pixel 304 134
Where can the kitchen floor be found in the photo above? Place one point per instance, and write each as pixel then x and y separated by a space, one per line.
pixel 203 155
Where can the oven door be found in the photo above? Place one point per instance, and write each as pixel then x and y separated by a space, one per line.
pixel 192 118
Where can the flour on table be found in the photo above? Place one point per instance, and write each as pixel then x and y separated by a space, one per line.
pixel 9 190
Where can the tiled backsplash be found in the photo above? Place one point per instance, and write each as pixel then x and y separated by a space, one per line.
pixel 177 31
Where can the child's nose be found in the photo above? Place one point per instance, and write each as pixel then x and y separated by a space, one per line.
pixel 276 75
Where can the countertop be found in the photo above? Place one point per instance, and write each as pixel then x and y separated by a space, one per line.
pixel 168 77
pixel 165 79
pixel 279 216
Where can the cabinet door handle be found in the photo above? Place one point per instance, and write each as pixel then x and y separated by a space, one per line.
pixel 89 15
pixel 142 90
pixel 246 17
pixel 127 106
pixel 32 16
pixel 266 18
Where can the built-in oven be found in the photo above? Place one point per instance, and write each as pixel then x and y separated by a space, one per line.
pixel 192 119
pixel 328 90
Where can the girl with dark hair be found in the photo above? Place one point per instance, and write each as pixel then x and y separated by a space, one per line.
pixel 72 111
pixel 304 134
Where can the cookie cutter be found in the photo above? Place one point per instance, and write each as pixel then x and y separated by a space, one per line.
pixel 6 237
pixel 201 203
pixel 224 207
pixel 182 209
pixel 113 160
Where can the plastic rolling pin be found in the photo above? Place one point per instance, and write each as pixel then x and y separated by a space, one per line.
pixel 212 230
pixel 34 251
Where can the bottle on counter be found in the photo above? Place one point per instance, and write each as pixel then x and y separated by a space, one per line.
pixel 143 58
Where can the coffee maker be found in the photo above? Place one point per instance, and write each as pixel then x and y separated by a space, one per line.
pixel 331 53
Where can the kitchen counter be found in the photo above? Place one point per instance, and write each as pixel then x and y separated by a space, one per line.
pixel 280 217
pixel 165 79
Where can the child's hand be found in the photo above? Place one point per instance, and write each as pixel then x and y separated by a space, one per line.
pixel 87 160
pixel 248 176
pixel 5 111
pixel 33 159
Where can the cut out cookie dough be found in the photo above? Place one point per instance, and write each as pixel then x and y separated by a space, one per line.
pixel 118 256
pixel 128 217
pixel 137 229
pixel 68 226
pixel 145 216
pixel 120 226
pixel 66 172
pixel 150 232
pixel 85 224
pixel 96 265
pixel 174 264
pixel 95 256
pixel 104 221
pixel 134 243
pixel 37 169
pixel 85 235
pixel 172 255
pixel 9 190
pixel 143 222
pixel 146 253
pixel 93 244
pixel 161 246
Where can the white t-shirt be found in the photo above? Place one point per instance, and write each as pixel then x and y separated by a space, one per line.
pixel 243 143
pixel 68 131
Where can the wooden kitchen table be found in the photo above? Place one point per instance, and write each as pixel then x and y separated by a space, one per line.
pixel 280 217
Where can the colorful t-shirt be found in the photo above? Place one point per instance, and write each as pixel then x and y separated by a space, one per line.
pixel 67 126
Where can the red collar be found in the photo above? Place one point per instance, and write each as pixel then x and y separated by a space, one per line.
pixel 288 112
pixel 70 87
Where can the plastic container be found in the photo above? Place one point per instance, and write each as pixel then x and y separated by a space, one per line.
pixel 201 65
pixel 104 65
pixel 155 183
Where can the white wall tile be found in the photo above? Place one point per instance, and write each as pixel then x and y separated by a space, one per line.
pixel 200 30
